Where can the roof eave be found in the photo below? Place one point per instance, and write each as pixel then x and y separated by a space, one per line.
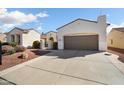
pixel 76 20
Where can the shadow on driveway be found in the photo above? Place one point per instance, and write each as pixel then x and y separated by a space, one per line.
pixel 40 52
pixel 65 54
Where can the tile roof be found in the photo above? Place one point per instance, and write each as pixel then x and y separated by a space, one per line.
pixel 24 30
pixel 121 29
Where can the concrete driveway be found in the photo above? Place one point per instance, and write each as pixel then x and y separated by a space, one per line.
pixel 66 67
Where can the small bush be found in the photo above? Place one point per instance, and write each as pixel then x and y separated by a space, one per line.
pixel 29 47
pixel 19 48
pixel 11 51
pixel 36 44
pixel 5 43
pixel 13 44
pixel 55 45
pixel 7 49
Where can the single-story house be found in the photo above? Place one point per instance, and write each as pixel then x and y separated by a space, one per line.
pixel 3 37
pixel 82 34
pixel 24 37
pixel 48 39
pixel 116 38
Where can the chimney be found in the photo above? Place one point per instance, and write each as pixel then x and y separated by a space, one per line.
pixel 101 19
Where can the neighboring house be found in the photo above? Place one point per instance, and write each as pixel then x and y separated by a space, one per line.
pixel 48 39
pixel 3 37
pixel 82 34
pixel 24 37
pixel 116 38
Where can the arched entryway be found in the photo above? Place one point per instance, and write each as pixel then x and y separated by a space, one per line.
pixel 51 41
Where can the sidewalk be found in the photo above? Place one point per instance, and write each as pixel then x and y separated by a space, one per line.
pixel 5 82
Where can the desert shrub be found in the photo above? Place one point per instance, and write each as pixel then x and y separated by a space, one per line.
pixel 55 45
pixel 11 51
pixel 7 49
pixel 5 43
pixel 13 44
pixel 19 48
pixel 36 44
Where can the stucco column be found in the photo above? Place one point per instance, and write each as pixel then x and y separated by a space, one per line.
pixel 42 44
pixel 102 43
pixel 61 42
pixel 50 44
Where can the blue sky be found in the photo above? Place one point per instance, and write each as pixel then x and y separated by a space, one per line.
pixel 49 19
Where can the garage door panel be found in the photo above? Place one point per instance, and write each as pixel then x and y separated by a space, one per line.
pixel 87 42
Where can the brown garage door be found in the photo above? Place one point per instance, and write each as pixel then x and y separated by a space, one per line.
pixel 85 42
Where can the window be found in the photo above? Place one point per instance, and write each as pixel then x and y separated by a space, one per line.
pixel 18 39
pixel 12 38
pixel 111 41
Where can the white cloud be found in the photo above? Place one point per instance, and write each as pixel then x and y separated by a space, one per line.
pixel 39 25
pixel 39 28
pixel 18 17
pixel 107 15
pixel 114 26
pixel 8 25
pixel 13 18
pixel 42 15
pixel 2 11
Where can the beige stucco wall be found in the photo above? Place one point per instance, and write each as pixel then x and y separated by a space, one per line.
pixel 51 34
pixel 28 39
pixel 47 36
pixel 81 26
pixel 14 32
pixel 118 39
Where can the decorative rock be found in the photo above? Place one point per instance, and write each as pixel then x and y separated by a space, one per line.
pixel 24 55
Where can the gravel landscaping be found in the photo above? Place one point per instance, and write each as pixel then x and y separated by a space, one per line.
pixel 12 60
